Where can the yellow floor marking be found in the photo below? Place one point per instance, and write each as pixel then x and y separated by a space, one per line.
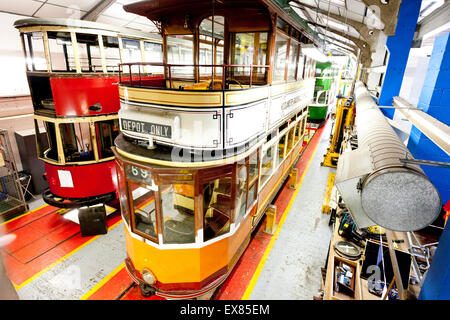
pixel 23 215
pixel 62 259
pixel 101 283
pixel 255 277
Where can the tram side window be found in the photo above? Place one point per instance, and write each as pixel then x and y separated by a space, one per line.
pixel 76 141
pixel 180 51
pixel 292 66
pixel 112 53
pixel 281 149
pixel 89 52
pixel 61 51
pixel 241 193
pixel 216 208
pixel 107 131
pixel 177 206
pixel 267 164
pixel 279 68
pixel 249 48
pixel 131 50
pixel 34 49
pixel 46 139
pixel 123 192
pixel 211 45
pixel 153 53
pixel 301 66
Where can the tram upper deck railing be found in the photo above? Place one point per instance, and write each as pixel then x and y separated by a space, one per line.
pixel 135 72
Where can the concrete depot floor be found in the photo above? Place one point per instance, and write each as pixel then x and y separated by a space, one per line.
pixel 291 269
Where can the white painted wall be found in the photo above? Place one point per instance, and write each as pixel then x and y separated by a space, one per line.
pixel 13 81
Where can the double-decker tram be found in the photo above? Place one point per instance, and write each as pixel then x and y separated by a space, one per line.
pixel 203 151
pixel 72 71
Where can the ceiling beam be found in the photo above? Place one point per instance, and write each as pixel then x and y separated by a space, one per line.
pixel 370 35
pixel 97 10
pixel 433 21
pixel 366 58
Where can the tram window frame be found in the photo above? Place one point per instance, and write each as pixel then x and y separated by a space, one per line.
pixel 241 191
pixel 210 45
pixel 301 62
pixel 208 233
pixel 100 139
pixel 67 50
pixel 113 47
pixel 145 182
pixel 123 191
pixel 282 137
pixel 280 69
pixel 293 60
pixel 84 48
pixel 149 56
pixel 31 54
pixel 179 72
pixel 258 55
pixel 72 131
pixel 164 196
pixel 50 137
pixel 266 175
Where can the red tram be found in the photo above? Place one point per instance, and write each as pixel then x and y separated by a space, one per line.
pixel 203 151
pixel 72 71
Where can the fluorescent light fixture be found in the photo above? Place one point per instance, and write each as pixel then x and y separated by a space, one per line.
pixel 313 52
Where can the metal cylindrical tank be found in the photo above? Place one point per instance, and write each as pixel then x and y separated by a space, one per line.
pixel 396 196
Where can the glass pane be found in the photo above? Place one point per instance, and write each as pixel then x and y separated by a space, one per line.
pixel 89 52
pixel 301 65
pixel 36 44
pixel 112 53
pixel 280 57
pixel 180 51
pixel 216 208
pixel 281 147
pixel 292 67
pixel 153 53
pixel 253 167
pixel 144 209
pixel 251 195
pixel 131 53
pixel 52 151
pixel 76 141
pixel 267 165
pixel 107 131
pixel 27 52
pixel 61 51
pixel 123 194
pixel 241 193
pixel 177 204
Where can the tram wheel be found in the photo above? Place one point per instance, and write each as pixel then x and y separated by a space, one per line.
pixel 146 290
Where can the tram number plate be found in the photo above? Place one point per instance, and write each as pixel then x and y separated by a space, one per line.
pixel 154 129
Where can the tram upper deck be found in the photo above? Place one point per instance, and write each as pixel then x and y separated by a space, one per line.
pixel 72 65
pixel 229 80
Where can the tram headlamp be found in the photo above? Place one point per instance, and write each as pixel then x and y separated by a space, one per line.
pixel 148 276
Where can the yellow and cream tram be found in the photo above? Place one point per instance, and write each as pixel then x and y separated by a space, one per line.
pixel 203 152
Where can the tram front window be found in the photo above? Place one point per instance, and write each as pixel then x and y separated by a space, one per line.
pixel 177 206
pixel 180 51
pixel 144 209
pixel 76 142
pixel 216 208
pixel 46 139
pixel 34 50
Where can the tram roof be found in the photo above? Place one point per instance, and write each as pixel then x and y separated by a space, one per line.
pixel 244 13
pixel 61 22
